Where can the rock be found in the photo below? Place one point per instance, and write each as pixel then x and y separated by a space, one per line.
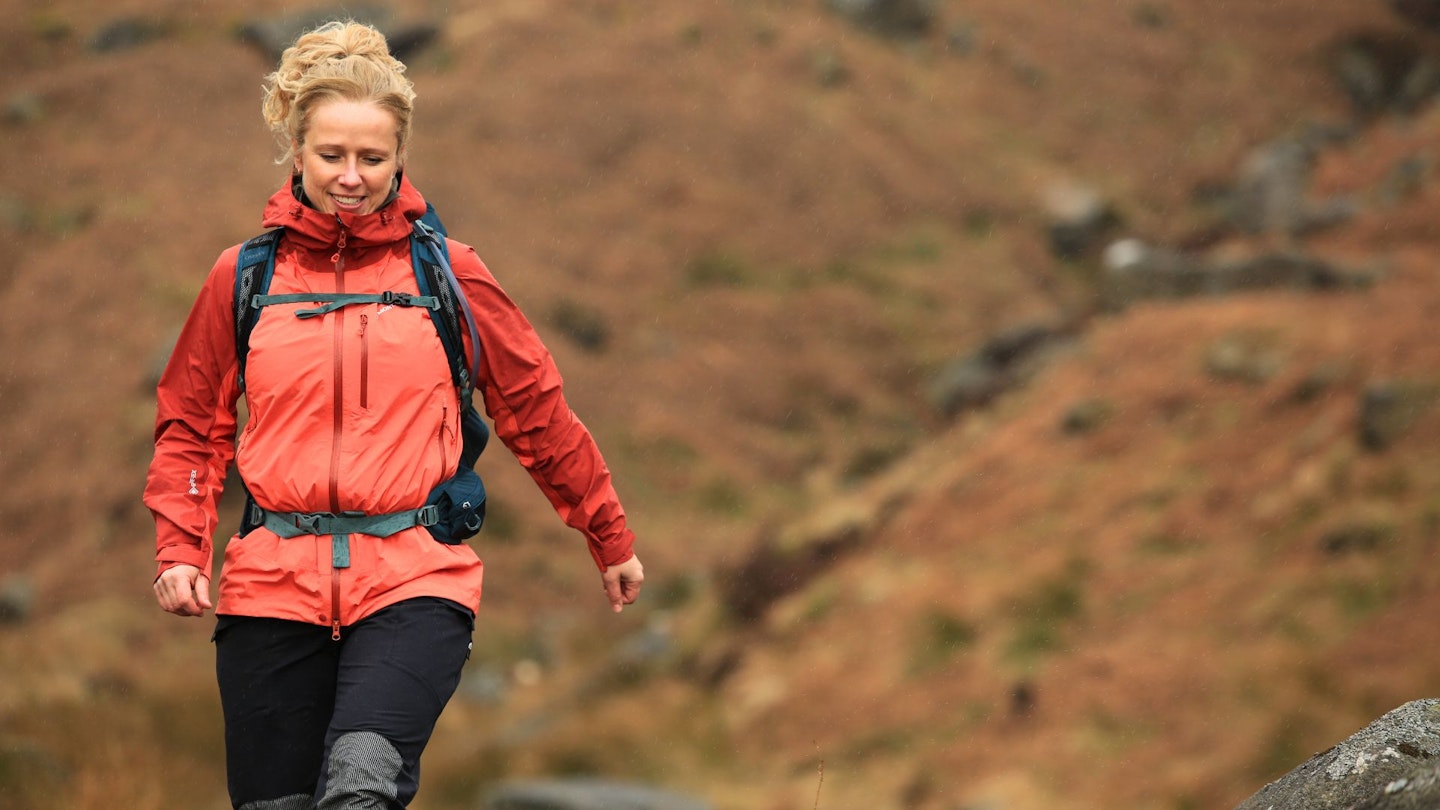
pixel 1357 536
pixel 1424 13
pixel 127 33
pixel 829 67
pixel 1388 764
pixel 1417 791
pixel 583 324
pixel 17 599
pixel 1078 219
pixel 1272 192
pixel 272 35
pixel 1389 409
pixel 963 39
pixel 1005 360
pixel 1273 185
pixel 585 794
pixel 895 18
pixel 1244 357
pixel 15 214
pixel 1135 271
pixel 1086 416
pixel 1383 72
pixel 24 108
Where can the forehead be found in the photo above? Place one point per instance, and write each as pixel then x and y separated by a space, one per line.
pixel 357 124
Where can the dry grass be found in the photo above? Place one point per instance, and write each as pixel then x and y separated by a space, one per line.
pixel 751 235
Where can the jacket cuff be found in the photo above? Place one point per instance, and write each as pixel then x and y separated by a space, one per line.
pixel 174 548
pixel 613 552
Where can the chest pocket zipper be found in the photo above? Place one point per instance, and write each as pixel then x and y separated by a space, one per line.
pixel 364 361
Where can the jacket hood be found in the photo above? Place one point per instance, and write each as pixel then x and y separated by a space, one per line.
pixel 316 230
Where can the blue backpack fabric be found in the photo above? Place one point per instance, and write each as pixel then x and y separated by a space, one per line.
pixel 454 510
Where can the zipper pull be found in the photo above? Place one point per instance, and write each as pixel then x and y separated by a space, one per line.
pixel 340 243
pixel 335 630
pixel 364 321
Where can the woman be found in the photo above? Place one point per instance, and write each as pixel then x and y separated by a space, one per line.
pixel 333 670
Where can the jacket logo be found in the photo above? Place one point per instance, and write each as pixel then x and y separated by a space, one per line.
pixel 194 490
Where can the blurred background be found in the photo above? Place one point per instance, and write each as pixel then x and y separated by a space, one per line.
pixel 1020 404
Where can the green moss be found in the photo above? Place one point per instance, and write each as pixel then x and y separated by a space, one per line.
pixel 942 637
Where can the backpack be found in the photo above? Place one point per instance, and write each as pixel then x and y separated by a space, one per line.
pixel 455 509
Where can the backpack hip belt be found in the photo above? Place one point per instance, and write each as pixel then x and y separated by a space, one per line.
pixel 341 526
pixel 294 524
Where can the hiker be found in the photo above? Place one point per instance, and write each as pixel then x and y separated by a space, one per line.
pixel 347 600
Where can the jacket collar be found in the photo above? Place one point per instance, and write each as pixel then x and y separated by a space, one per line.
pixel 315 230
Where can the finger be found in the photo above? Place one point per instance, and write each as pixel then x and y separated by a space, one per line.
pixel 631 591
pixel 202 593
pixel 176 596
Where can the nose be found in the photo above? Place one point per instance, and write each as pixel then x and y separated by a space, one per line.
pixel 351 175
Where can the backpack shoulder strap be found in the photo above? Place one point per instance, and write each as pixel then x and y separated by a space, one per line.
pixel 452 318
pixel 254 268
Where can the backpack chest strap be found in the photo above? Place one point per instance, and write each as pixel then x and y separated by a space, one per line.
pixel 329 302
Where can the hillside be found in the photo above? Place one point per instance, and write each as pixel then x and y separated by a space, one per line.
pixel 754 235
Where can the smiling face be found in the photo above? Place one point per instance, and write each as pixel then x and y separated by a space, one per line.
pixel 350 157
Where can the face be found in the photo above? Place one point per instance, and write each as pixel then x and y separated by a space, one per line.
pixel 350 157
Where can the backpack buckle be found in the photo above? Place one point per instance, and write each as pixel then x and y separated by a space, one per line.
pixel 310 524
pixel 427 515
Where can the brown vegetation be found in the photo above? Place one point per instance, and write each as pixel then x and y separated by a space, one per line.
pixel 752 235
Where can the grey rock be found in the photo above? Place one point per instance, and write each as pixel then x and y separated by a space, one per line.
pixel 1136 271
pixel 1078 219
pixel 1273 188
pixel 1005 360
pixel 585 794
pixel 1086 416
pixel 1388 409
pixel 895 18
pixel 1244 357
pixel 1372 768
pixel 1424 13
pixel 1418 791
pixel 24 108
pixel 17 600
pixel 128 33
pixel 1384 72
pixel 272 35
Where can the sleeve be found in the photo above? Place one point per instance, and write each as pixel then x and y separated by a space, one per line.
pixel 195 423
pixel 523 396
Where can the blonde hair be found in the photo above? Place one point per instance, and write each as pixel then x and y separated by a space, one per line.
pixel 342 60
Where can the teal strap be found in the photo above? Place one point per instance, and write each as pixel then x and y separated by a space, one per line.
pixel 294 524
pixel 333 301
pixel 340 550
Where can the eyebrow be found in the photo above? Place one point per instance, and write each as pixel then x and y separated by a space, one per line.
pixel 364 149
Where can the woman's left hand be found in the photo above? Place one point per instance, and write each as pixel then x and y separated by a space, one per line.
pixel 622 583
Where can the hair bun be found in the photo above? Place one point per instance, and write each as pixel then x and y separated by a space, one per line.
pixel 343 59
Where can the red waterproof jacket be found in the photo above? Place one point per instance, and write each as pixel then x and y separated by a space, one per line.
pixel 354 410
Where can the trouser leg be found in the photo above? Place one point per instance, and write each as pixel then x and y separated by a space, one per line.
pixel 397 670
pixel 277 691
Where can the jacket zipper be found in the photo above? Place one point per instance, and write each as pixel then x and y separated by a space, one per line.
pixel 338 259
pixel 364 362
pixel 444 428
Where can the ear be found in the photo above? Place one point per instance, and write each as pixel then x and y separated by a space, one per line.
pixel 295 150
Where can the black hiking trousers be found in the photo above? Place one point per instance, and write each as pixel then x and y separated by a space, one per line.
pixel 316 723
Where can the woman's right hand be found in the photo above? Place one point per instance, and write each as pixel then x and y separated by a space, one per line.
pixel 184 591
